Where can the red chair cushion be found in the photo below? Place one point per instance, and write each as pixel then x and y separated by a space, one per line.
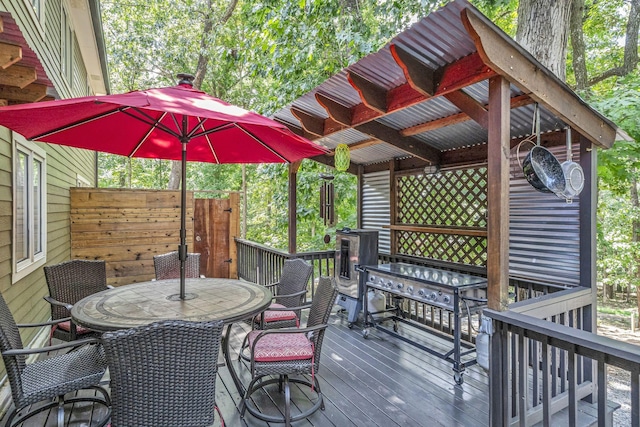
pixel 67 327
pixel 276 316
pixel 280 347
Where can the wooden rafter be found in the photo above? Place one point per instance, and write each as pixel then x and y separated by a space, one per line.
pixel 469 106
pixel 523 71
pixel 30 93
pixel 18 76
pixel 9 54
pixel 516 102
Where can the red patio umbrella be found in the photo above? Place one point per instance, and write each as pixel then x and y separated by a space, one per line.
pixel 174 123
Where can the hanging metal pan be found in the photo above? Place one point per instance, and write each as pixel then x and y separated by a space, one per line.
pixel 573 174
pixel 543 171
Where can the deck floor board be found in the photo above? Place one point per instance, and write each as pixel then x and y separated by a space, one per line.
pixel 378 381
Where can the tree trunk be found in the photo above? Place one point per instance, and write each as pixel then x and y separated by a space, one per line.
pixel 543 29
pixel 577 44
pixel 635 231
pixel 201 71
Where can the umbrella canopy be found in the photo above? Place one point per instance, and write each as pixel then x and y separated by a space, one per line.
pixel 173 123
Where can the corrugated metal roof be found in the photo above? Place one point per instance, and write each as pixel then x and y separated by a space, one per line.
pixel 437 41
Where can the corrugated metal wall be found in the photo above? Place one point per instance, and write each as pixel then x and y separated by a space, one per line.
pixel 544 231
pixel 544 241
pixel 376 208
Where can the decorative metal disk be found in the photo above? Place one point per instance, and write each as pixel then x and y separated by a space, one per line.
pixel 187 296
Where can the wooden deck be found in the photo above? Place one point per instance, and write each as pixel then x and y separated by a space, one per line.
pixel 379 381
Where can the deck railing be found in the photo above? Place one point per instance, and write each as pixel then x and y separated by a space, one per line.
pixel 263 265
pixel 544 357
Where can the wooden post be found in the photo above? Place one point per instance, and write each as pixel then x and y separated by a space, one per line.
pixel 359 203
pixel 293 205
pixel 234 232
pixel 587 215
pixel 498 194
pixel 393 207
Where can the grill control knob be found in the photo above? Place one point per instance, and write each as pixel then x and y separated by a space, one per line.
pixel 446 299
pixel 433 296
pixel 410 289
pixel 390 284
pixel 400 285
pixel 422 293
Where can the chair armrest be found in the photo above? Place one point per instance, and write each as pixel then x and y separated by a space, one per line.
pixel 25 351
pixel 295 294
pixel 49 323
pixel 271 285
pixel 54 301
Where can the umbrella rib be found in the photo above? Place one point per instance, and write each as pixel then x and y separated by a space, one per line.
pixel 74 124
pixel 147 119
pixel 259 141
pixel 206 137
pixel 139 144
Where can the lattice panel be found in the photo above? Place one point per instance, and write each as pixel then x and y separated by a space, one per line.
pixel 447 247
pixel 453 198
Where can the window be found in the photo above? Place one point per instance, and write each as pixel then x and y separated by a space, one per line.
pixel 66 46
pixel 29 207
pixel 36 9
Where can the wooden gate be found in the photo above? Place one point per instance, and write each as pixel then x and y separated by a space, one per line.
pixel 216 223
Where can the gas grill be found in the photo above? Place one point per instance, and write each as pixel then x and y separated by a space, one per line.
pixel 451 291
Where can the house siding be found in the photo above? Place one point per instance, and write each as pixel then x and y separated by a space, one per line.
pixel 63 164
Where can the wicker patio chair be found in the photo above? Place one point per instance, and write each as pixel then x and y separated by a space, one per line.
pixel 50 379
pixel 167 266
pixel 290 351
pixel 289 291
pixel 164 373
pixel 68 283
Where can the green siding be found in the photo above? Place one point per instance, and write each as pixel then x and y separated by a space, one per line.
pixel 63 164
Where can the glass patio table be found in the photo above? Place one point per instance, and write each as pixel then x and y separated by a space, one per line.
pixel 138 304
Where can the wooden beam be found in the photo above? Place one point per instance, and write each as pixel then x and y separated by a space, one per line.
pixel 340 113
pixel 465 71
pixel 418 75
pixel 513 62
pixel 293 205
pixel 406 143
pixel 468 105
pixel 372 95
pixel 18 76
pixel 31 93
pixel 310 123
pixel 364 144
pixel 9 54
pixel 498 195
pixel 516 102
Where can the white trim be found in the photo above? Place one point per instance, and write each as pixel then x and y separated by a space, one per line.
pixel 35 260
pixel 38 18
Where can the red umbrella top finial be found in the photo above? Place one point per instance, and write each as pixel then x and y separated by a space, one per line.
pixel 185 79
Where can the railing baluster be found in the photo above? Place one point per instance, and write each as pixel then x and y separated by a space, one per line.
pixel 573 401
pixel 602 392
pixel 522 379
pixel 546 394
pixel 635 397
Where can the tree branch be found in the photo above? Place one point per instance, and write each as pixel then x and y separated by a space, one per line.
pixel 630 61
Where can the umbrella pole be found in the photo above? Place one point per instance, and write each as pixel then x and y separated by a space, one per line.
pixel 182 250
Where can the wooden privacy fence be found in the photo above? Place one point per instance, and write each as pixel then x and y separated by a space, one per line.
pixel 126 228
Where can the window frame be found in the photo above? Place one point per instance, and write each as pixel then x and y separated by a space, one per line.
pixel 66 45
pixel 37 11
pixel 34 260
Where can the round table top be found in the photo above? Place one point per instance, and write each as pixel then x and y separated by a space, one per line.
pixel 142 303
